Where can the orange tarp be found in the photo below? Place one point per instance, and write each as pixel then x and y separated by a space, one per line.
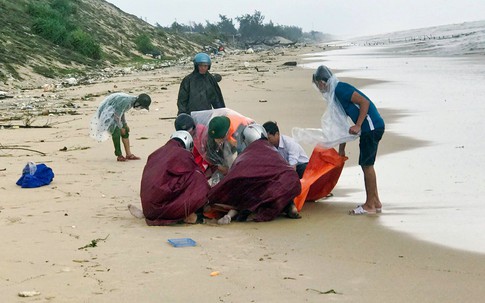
pixel 321 175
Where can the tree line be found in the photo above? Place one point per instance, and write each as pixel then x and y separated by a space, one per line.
pixel 251 28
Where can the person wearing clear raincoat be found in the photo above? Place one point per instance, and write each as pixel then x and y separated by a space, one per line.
pixel 219 142
pixel 344 100
pixel 109 119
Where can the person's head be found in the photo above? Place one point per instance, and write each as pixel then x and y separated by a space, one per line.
pixel 218 128
pixel 253 132
pixel 142 101
pixel 183 137
pixel 185 122
pixel 273 132
pixel 202 63
pixel 321 76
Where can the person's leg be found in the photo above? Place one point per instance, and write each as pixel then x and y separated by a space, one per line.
pixel 228 217
pixel 300 169
pixel 291 211
pixel 135 211
pixel 125 138
pixel 372 201
pixel 368 151
pixel 191 218
pixel 116 136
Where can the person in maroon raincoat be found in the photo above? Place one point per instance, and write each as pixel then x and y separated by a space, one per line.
pixel 173 187
pixel 260 184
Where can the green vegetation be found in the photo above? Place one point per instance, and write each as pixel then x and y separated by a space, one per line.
pixel 44 71
pixel 54 21
pixel 55 38
pixel 144 45
pixel 84 44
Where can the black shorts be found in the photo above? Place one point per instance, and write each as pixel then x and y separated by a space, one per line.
pixel 368 146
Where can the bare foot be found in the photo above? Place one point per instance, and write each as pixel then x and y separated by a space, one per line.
pixel 191 219
pixel 224 220
pixel 132 157
pixel 135 211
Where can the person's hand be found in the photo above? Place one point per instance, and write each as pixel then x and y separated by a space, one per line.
pixel 354 130
pixel 124 130
pixel 222 169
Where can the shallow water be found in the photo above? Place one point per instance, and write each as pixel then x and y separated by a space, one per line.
pixel 434 192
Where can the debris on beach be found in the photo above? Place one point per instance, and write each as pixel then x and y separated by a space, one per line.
pixel 28 293
pixel 290 63
pixel 328 292
pixel 94 243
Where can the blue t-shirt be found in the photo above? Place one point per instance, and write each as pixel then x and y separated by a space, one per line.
pixel 373 120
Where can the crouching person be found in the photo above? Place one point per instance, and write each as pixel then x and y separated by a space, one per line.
pixel 173 188
pixel 259 186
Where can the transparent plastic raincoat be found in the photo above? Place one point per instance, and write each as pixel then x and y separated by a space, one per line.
pixel 110 114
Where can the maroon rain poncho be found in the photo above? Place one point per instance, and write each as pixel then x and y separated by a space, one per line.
pixel 259 181
pixel 172 185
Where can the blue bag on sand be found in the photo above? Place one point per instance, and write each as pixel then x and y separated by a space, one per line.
pixel 37 176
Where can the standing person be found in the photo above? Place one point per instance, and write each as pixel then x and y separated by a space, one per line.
pixel 110 119
pixel 287 147
pixel 173 188
pixel 367 122
pixel 199 90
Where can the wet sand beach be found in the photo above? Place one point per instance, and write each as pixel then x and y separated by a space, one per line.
pixel 325 256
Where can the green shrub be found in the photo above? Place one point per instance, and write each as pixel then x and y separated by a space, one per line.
pixel 53 22
pixel 84 44
pixel 45 71
pixel 51 29
pixel 144 44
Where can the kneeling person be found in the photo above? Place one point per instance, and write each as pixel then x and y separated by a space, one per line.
pixel 259 183
pixel 173 187
pixel 287 147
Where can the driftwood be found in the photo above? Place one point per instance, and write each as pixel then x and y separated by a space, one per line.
pixel 48 125
pixel 24 126
pixel 22 148
pixel 290 63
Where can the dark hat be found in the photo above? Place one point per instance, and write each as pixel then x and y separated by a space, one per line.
pixel 218 127
pixel 144 101
pixel 184 122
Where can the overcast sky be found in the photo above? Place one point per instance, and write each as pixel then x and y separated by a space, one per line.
pixel 344 18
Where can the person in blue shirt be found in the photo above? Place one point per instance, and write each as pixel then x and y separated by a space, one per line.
pixel 368 123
